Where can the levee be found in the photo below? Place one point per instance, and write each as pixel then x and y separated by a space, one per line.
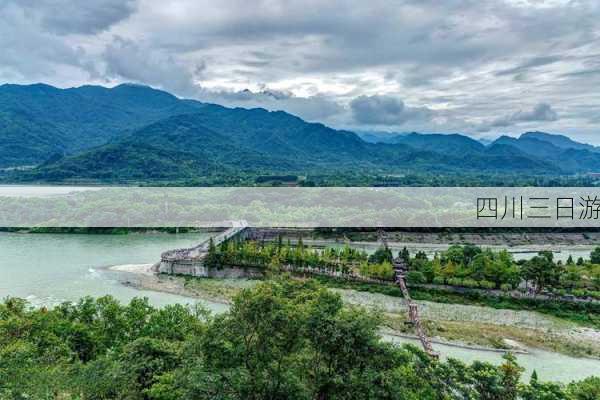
pixel 190 261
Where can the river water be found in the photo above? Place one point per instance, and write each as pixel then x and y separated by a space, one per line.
pixel 47 269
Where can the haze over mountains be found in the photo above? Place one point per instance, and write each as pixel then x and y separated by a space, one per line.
pixel 133 132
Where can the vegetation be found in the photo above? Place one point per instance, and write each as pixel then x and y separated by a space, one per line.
pixel 135 134
pixel 275 255
pixel 460 266
pixel 282 339
pixel 584 313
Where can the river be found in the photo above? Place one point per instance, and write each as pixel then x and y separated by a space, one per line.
pixel 47 269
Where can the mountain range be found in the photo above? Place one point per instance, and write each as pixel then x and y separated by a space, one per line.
pixel 137 133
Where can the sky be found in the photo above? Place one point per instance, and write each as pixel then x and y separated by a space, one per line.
pixel 479 67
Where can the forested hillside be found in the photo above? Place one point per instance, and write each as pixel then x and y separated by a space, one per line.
pixel 133 133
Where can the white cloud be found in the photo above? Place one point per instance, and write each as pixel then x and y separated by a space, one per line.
pixel 415 64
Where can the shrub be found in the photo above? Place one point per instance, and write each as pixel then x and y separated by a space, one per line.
pixel 439 280
pixel 506 287
pixel 455 282
pixel 415 277
pixel 487 284
pixel 470 283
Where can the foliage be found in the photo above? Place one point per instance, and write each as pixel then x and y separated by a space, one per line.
pixel 281 339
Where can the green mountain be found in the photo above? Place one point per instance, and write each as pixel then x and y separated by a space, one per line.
pixel 440 143
pixel 136 133
pixel 38 121
pixel 569 156
pixel 257 142
pixel 560 141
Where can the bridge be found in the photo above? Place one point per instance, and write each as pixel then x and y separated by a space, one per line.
pixel 400 270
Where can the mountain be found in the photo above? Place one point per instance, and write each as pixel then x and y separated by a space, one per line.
pixel 560 141
pixel 277 132
pixel 441 143
pixel 528 145
pixel 217 141
pixel 174 148
pixel 136 133
pixel 379 137
pixel 570 156
pixel 38 121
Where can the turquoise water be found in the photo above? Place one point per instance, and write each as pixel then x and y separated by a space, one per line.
pixel 47 269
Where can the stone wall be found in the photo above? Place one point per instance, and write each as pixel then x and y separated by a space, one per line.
pixel 198 269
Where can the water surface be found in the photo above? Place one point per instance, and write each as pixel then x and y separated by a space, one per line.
pixel 47 269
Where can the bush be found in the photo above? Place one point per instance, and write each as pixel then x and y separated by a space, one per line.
pixel 415 277
pixel 470 283
pixel 439 280
pixel 455 282
pixel 487 284
pixel 506 287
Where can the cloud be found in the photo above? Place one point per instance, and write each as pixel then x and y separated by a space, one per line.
pixel 385 110
pixel 132 61
pixel 530 64
pixel 79 17
pixel 542 112
pixel 327 61
pixel 312 108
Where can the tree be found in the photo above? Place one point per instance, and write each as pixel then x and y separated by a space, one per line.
pixel 542 271
pixel 405 255
pixel 570 260
pixel 595 255
pixel 212 258
pixel 380 255
pixel 587 389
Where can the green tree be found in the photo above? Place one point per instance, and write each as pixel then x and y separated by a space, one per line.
pixel 587 389
pixel 542 271
pixel 380 255
pixel 595 255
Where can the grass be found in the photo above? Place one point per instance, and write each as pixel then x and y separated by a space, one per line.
pixel 222 289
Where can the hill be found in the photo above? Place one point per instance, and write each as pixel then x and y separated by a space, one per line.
pixel 136 133
pixel 568 155
pixel 38 121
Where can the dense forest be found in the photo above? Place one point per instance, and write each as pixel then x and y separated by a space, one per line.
pixel 283 339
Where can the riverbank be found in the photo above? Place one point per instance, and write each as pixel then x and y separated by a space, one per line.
pixel 450 324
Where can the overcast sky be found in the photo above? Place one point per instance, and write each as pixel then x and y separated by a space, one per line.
pixel 474 66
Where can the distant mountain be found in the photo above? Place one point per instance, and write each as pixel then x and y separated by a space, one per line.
pixel 136 133
pixel 174 148
pixel 241 142
pixel 440 143
pixel 559 141
pixel 529 145
pixel 38 121
pixel 379 137
pixel 570 156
